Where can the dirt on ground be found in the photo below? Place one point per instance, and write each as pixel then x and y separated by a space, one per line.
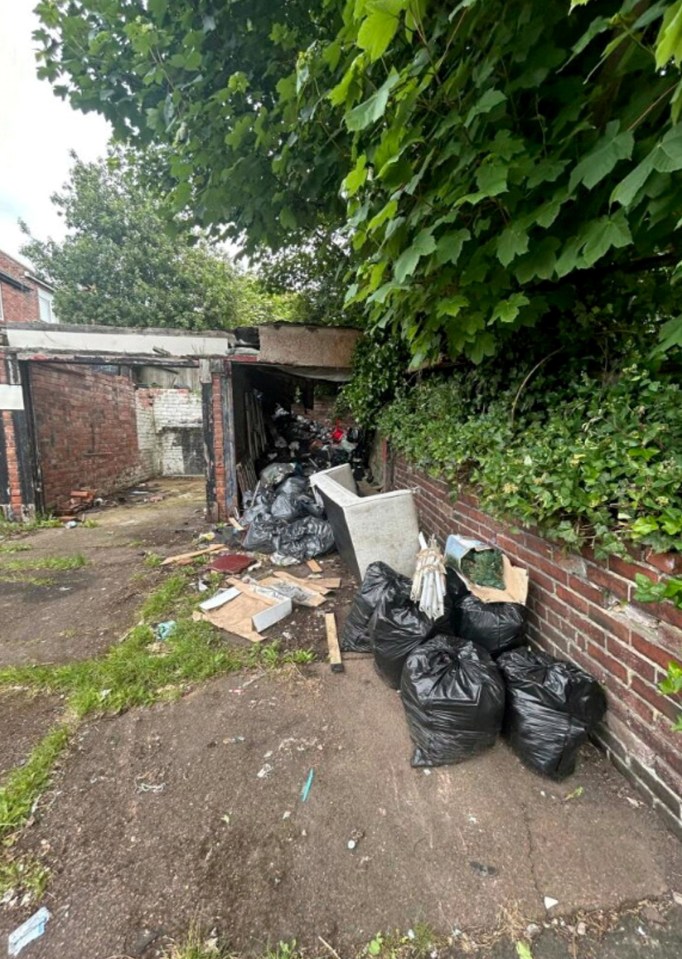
pixel 76 614
pixel 192 812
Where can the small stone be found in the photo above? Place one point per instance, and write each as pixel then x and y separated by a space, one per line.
pixel 352 844
pixel 427 772
pixel 581 929
pixel 550 903
pixel 653 916
pixel 286 814
pixel 677 898
pixel 532 929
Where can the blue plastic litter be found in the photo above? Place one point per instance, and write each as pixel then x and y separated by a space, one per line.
pixel 305 792
pixel 32 929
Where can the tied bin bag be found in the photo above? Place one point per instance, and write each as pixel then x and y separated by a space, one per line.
pixel 397 627
pixel 453 696
pixel 552 707
pixel 379 579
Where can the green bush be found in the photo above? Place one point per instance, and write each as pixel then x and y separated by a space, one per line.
pixel 594 461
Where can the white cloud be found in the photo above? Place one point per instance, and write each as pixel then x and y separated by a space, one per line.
pixel 37 131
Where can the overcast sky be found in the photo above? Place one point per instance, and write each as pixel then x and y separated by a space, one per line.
pixel 37 131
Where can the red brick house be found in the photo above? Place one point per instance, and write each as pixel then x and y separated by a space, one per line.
pixel 24 298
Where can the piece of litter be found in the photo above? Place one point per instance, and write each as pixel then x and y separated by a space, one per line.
pixel 550 903
pixel 352 844
pixel 411 934
pixel 70 525
pixel 164 630
pixel 226 819
pixel 473 819
pixel 32 929
pixel 286 814
pixel 581 929
pixel 234 739
pixel 305 792
pixel 224 596
pixel 268 754
pixel 677 898
pixel 427 772
pixel 151 787
pixel 202 587
pixel 633 802
pixel 576 794
pixel 265 771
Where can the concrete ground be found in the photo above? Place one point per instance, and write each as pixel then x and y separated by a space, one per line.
pixel 191 812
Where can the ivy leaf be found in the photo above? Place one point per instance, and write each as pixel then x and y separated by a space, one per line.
pixel 603 234
pixel 599 162
pixel 356 178
pixel 406 263
pixel 669 40
pixel 507 310
pixel 373 108
pixel 492 178
pixel 450 246
pixel 512 242
pixel 378 29
pixel 486 103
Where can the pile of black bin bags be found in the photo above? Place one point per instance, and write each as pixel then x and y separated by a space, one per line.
pixel 468 677
pixel 282 516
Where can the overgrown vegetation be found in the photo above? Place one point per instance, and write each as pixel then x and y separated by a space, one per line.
pixel 44 562
pixel 589 460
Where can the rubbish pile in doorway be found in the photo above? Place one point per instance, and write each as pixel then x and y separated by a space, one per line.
pixel 461 666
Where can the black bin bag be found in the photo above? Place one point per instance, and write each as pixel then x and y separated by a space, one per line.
pixel 552 707
pixel 497 627
pixel 305 538
pixel 397 627
pixel 379 579
pixel 453 696
pixel 262 535
pixel 289 498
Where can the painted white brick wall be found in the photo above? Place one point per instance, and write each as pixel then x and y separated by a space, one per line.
pixel 162 416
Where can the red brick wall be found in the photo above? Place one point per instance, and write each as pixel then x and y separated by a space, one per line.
pixel 86 430
pixel 18 306
pixel 583 610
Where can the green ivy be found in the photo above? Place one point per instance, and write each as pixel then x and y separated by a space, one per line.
pixel 595 461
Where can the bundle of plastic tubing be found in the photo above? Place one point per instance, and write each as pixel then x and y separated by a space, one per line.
pixel 428 585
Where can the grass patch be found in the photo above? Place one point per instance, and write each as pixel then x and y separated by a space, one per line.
pixel 25 784
pixel 140 671
pixel 152 560
pixel 10 529
pixel 14 547
pixel 25 877
pixel 44 562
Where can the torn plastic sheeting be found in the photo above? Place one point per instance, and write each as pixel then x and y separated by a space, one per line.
pixel 453 696
pixel 552 707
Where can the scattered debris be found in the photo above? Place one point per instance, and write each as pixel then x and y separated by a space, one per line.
pixel 234 563
pixel 165 630
pixel 265 771
pixel 550 903
pixel 305 792
pixel 482 869
pixel 184 559
pixel 226 819
pixel 28 931
pixel 677 898
pixel 576 794
pixel 428 585
pixel 215 602
pixel 235 739
pixel 286 814
pixel 355 838
pixel 150 787
pixel 333 644
pixel 313 566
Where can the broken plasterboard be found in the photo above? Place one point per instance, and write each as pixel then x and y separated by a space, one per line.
pixel 238 615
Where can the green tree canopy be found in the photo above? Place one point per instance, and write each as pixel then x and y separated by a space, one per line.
pixel 488 162
pixel 121 265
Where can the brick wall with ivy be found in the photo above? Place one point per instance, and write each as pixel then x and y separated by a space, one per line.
pixel 584 610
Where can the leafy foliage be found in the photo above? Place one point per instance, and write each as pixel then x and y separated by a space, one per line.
pixel 672 686
pixel 650 592
pixel 487 162
pixel 121 265
pixel 591 461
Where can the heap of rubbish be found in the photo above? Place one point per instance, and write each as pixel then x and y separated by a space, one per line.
pixel 452 642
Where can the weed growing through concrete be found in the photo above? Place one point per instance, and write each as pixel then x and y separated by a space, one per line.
pixel 23 878
pixel 25 784
pixel 21 529
pixel 152 560
pixel 14 547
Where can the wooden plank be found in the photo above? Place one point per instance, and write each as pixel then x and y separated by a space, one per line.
pixel 333 644
pixel 313 566
pixel 182 559
pixel 233 522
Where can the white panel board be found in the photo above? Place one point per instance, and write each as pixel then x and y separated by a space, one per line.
pixel 11 397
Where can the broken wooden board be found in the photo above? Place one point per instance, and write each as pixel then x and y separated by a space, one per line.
pixel 313 566
pixel 333 644
pixel 184 559
pixel 233 522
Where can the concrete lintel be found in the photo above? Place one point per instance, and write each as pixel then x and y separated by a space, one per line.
pixel 119 342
